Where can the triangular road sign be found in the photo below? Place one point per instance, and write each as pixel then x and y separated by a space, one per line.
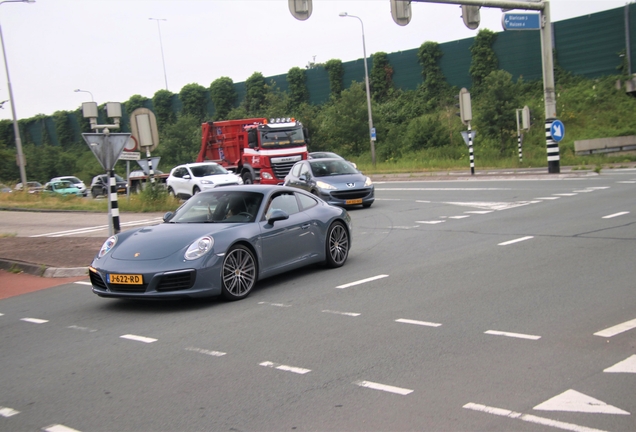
pixel 627 366
pixel 106 147
pixel 573 401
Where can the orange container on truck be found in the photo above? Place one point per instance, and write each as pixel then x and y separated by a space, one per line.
pixel 258 150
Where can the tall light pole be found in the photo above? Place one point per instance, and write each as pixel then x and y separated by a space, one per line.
pixel 85 91
pixel 165 76
pixel 16 128
pixel 366 79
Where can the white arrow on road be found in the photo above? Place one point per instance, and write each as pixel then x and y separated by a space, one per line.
pixel 573 401
pixel 626 366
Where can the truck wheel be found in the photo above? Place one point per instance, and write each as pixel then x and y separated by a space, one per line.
pixel 247 178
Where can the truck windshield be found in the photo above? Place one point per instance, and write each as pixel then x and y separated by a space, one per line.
pixel 280 138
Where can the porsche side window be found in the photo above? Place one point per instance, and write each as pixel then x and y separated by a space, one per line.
pixel 285 202
pixel 307 202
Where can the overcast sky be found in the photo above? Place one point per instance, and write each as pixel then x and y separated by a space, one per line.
pixel 112 49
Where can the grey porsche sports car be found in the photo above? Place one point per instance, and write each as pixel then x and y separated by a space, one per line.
pixel 221 242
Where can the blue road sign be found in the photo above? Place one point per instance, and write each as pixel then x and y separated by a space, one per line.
pixel 521 21
pixel 557 130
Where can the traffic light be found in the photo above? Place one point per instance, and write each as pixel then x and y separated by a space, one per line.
pixel 401 11
pixel 525 118
pixel 465 109
pixel 470 15
pixel 300 9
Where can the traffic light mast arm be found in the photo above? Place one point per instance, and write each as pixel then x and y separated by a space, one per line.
pixel 504 4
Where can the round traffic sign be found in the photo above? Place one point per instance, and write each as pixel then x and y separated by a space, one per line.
pixel 131 144
pixel 557 130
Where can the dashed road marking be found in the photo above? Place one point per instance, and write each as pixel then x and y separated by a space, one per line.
pixel 206 352
pixel 479 211
pixel 34 320
pixel 8 412
pixel 83 283
pixel 371 279
pixel 509 242
pixel 421 323
pixel 548 198
pixel 138 338
pixel 274 304
pixel 566 194
pixel 285 368
pixel 59 428
pixel 86 329
pixel 512 335
pixel 615 215
pixel 430 222
pixel 353 314
pixel 619 328
pixel 384 387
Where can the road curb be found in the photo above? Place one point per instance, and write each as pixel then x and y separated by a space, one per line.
pixel 42 270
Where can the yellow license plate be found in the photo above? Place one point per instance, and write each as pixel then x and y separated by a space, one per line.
pixel 354 201
pixel 125 279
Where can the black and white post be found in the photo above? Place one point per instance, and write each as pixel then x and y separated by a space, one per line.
pixel 470 150
pixel 552 148
pixel 114 205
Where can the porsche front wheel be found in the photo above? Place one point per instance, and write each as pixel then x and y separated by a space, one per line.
pixel 238 274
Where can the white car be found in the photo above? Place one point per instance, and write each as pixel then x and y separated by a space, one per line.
pixel 77 182
pixel 190 179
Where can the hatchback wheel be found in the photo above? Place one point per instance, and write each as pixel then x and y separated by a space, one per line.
pixel 337 245
pixel 238 274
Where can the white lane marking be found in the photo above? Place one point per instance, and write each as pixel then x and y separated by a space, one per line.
pixel 384 387
pixel 138 338
pixel 8 412
pixel 548 198
pixel 363 281
pixel 430 222
pixel 353 314
pixel 59 428
pixel 583 191
pixel 598 188
pixel 615 215
pixel 573 401
pixel 529 418
pixel 403 227
pixel 565 194
pixel 96 228
pixel 515 241
pixel 274 304
pixel 512 335
pixel 86 329
pixel 421 323
pixel 285 368
pixel 459 217
pixel 492 205
pixel 626 366
pixel 421 201
pixel 627 182
pixel 1 314
pixel 83 283
pixel 206 352
pixel 34 320
pixel 479 211
pixel 619 328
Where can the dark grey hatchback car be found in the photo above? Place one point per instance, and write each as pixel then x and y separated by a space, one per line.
pixel 334 180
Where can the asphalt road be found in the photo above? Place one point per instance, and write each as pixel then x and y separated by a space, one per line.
pixel 465 305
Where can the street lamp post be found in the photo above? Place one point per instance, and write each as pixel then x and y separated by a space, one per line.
pixel 16 128
pixel 366 79
pixel 165 76
pixel 85 91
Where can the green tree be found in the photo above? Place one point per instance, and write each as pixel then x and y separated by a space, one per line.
pixel 298 92
pixel 223 95
pixel 335 70
pixel 194 98
pixel 135 101
pixel 484 60
pixel 424 132
pixel 434 87
pixel 162 105
pixel 381 77
pixel 180 141
pixel 255 93
pixel 63 128
pixel 496 105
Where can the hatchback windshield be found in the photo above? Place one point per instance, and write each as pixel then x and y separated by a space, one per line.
pixel 325 167
pixel 207 170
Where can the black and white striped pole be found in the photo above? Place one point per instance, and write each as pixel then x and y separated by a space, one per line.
pixel 470 150
pixel 466 114
pixel 113 204
pixel 525 125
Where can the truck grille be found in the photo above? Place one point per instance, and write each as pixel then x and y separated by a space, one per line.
pixel 282 169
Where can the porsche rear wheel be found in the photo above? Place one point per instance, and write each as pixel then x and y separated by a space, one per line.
pixel 238 274
pixel 337 245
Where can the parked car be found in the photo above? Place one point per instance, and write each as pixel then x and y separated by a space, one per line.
pixel 32 187
pixel 62 187
pixel 325 154
pixel 334 180
pixel 100 185
pixel 204 249
pixel 187 180
pixel 77 182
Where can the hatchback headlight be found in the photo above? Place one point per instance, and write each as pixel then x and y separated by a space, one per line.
pixel 323 185
pixel 108 245
pixel 199 247
pixel 368 182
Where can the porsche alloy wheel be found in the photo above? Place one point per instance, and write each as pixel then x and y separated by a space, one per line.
pixel 337 245
pixel 238 275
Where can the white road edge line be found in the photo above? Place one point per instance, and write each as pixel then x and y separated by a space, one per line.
pixel 529 418
pixel 362 281
pixel 421 323
pixel 138 338
pixel 515 241
pixel 615 215
pixel 513 335
pixel 384 387
pixel 619 328
pixel 285 368
pixel 34 320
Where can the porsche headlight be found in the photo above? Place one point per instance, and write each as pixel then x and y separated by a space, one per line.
pixel 108 245
pixel 368 182
pixel 323 185
pixel 199 247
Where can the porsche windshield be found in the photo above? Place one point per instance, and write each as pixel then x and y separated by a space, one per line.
pixel 219 206
pixel 279 137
